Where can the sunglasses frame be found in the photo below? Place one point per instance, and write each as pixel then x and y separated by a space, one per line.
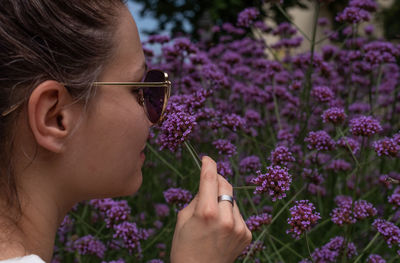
pixel 138 86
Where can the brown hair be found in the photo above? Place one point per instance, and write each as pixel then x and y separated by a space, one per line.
pixel 68 41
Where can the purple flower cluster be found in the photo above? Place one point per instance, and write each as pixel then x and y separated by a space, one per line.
pixel 177 196
pixel 346 142
pixel 247 16
pixel 338 165
pixel 224 168
pixel 130 235
pixel 162 210
pixel 176 128
pixel 375 258
pixel 394 199
pixel 364 126
pixel 225 147
pixel 250 164
pixel 334 115
pixel 389 231
pixel 252 249
pixel 357 11
pixel 331 251
pixel 276 181
pixel 66 226
pixel 320 140
pixel 115 261
pixel 255 222
pixel 89 245
pixel 111 210
pixel 387 147
pixel 281 156
pixel 322 93
pixel 346 214
pixel 233 121
pixel 303 218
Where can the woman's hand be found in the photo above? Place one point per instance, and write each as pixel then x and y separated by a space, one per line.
pixel 207 230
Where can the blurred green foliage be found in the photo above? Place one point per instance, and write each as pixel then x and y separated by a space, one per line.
pixel 189 17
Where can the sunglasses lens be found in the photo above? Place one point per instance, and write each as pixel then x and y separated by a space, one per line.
pixel 154 97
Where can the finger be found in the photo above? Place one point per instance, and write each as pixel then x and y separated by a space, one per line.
pixel 208 188
pixel 241 228
pixel 187 212
pixel 225 207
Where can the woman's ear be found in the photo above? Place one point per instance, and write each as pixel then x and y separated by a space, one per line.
pixel 51 116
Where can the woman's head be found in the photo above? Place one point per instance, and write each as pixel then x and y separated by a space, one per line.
pixel 53 139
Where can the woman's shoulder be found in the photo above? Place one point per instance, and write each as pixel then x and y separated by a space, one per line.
pixel 26 259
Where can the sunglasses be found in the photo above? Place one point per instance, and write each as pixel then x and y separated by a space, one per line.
pixel 154 92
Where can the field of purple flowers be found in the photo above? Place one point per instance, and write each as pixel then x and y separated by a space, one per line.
pixel 310 141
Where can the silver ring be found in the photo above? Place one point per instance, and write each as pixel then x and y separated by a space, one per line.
pixel 225 198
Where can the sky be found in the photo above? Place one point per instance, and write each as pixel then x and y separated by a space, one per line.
pixel 143 23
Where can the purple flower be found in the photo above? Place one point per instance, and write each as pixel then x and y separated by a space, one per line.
pixel 281 156
pixel 368 5
pixel 130 235
pixel 89 245
pixel 353 15
pixel 331 251
pixel 65 227
pixel 394 199
pixel 396 138
pixel 379 52
pixel 225 147
pixel 255 222
pixel 253 118
pixel 364 126
pixel 387 147
pixel 390 232
pixel 364 209
pixel 249 164
pixel 322 94
pixel 303 218
pixel 233 121
pixel 162 210
pixel 176 128
pixel 247 16
pixel 224 168
pixel 160 39
pixel 338 165
pixel 320 140
pixel 113 211
pixel 375 258
pixel 115 261
pixel 178 196
pixel 342 214
pixel 155 261
pixel 284 29
pixel 346 142
pixel 334 115
pixel 276 181
pixel 252 249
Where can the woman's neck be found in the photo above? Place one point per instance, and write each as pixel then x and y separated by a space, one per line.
pixel 34 231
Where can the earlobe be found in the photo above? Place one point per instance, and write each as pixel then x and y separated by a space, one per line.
pixel 50 119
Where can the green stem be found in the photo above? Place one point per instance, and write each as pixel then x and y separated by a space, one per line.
pixel 164 161
pixel 285 246
pixel 291 21
pixel 276 108
pixel 193 154
pixel 308 247
pixel 369 244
